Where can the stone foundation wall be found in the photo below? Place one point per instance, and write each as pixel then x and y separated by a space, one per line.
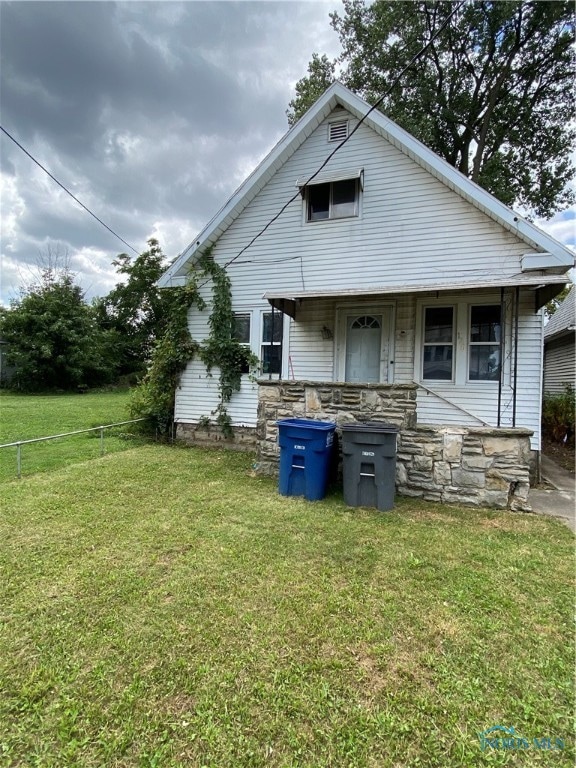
pixel 481 466
pixel 211 436
pixel 465 465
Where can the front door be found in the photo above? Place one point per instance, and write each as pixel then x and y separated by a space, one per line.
pixel 364 344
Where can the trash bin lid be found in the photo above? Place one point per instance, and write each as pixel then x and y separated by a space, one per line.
pixel 370 426
pixel 306 424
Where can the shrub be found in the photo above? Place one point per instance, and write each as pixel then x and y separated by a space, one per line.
pixel 558 415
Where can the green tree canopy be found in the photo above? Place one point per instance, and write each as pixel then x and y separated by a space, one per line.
pixel 492 94
pixel 135 313
pixel 53 338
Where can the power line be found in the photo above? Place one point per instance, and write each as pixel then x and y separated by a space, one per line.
pixel 66 190
pixel 412 61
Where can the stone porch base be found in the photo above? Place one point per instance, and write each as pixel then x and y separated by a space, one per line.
pixel 465 465
pixel 480 466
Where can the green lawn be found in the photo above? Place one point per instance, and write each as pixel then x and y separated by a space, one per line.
pixel 23 417
pixel 163 607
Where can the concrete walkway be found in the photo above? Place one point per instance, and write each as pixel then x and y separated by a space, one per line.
pixel 560 500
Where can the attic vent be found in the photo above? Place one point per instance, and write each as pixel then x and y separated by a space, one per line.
pixel 338 131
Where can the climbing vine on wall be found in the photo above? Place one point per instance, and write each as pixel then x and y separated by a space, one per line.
pixel 221 349
pixel 154 397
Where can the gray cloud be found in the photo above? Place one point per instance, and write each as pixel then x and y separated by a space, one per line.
pixel 150 113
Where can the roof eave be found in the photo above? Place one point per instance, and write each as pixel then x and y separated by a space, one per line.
pixel 564 332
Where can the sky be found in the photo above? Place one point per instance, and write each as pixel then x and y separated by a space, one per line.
pixel 151 114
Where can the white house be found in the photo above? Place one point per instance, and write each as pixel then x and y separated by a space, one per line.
pixel 391 287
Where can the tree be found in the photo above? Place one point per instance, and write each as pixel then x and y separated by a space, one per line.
pixel 553 304
pixel 135 313
pixel 53 339
pixel 321 73
pixel 492 94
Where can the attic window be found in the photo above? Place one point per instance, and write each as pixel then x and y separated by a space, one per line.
pixel 336 200
pixel 338 131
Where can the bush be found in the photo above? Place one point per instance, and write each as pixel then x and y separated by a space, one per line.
pixel 558 416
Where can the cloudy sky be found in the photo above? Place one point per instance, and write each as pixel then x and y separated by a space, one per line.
pixel 150 113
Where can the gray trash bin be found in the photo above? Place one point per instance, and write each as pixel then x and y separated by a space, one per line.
pixel 369 464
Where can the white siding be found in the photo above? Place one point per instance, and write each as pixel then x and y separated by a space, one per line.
pixel 411 229
pixel 311 356
pixel 559 364
pixel 530 336
pixel 198 396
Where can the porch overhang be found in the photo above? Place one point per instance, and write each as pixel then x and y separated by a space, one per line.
pixel 545 287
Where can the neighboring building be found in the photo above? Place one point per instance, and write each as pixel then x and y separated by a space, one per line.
pixel 559 343
pixel 392 288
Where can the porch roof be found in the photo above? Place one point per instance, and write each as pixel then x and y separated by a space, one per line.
pixel 545 287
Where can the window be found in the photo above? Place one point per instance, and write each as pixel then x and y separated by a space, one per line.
pixel 334 200
pixel 484 343
pixel 438 357
pixel 460 344
pixel 271 346
pixel 241 330
pixel 241 333
pixel 366 321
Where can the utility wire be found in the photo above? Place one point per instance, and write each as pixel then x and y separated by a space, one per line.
pixel 412 61
pixel 67 190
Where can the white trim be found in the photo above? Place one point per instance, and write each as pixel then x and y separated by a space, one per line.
pixel 470 344
pixel 419 344
pixel 284 363
pixel 285 345
pixel 531 262
pixel 337 95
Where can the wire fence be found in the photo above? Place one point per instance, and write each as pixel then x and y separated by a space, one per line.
pixel 19 443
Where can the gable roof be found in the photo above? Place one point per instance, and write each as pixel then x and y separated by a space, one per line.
pixel 564 319
pixel 552 255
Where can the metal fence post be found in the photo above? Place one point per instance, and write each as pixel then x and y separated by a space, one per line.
pixel 101 441
pixel 19 460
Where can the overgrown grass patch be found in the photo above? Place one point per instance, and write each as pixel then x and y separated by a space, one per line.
pixel 163 607
pixel 25 417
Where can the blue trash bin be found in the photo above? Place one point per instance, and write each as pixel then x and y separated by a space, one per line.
pixel 305 451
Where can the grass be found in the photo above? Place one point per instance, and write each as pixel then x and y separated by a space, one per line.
pixel 163 607
pixel 23 417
